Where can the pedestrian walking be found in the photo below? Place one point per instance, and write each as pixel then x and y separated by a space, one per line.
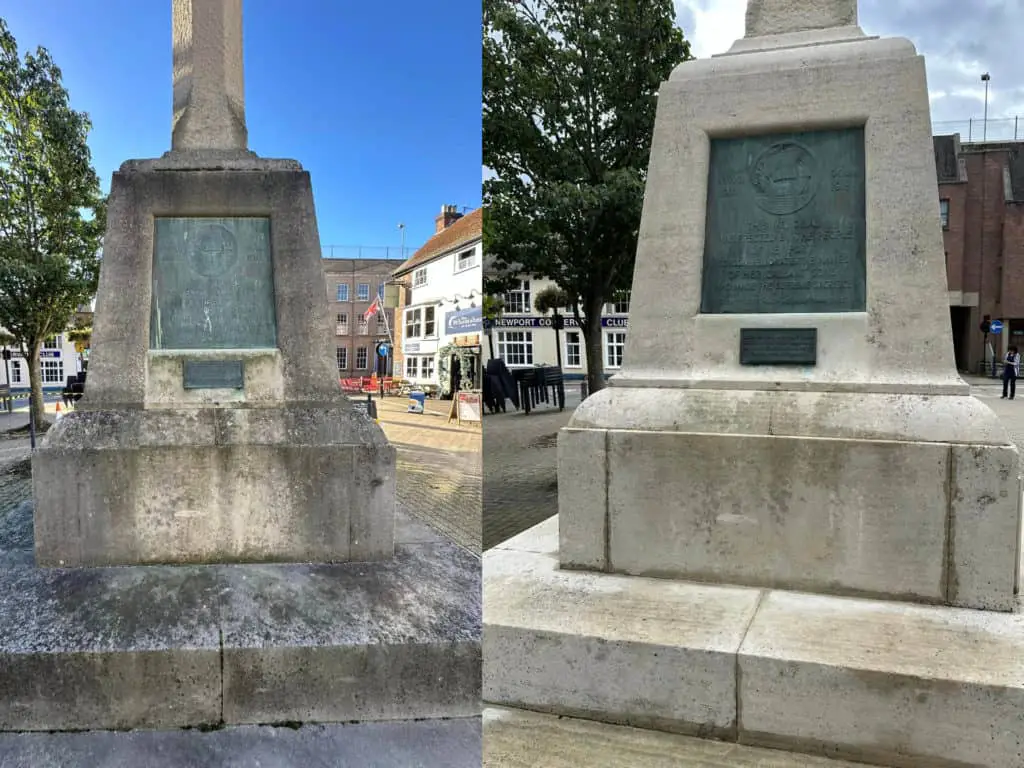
pixel 1011 370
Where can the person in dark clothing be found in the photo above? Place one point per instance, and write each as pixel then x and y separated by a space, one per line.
pixel 1011 370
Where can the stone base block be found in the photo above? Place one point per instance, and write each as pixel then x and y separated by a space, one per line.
pixel 515 738
pixel 843 494
pixel 207 485
pixel 193 645
pixel 887 683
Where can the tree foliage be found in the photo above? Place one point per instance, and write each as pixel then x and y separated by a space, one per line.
pixel 570 91
pixel 52 213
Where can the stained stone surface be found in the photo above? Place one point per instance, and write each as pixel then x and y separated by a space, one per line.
pixel 167 646
pixel 424 744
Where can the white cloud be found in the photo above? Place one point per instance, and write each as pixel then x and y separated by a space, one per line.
pixel 959 43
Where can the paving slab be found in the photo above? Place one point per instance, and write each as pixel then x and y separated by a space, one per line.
pixel 422 744
pixel 520 739
pixel 635 651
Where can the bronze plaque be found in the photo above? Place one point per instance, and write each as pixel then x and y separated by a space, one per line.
pixel 213 284
pixel 778 346
pixel 785 228
pixel 214 374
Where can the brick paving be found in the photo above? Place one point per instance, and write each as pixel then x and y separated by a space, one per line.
pixel 520 477
pixel 438 478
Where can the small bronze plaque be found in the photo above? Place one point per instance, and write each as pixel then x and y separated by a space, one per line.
pixel 214 374
pixel 785 230
pixel 778 346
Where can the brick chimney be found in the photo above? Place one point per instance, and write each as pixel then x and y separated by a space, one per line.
pixel 448 217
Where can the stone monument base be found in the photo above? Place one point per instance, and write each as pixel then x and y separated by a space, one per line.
pixel 894 496
pixel 209 485
pixel 886 683
pixel 211 645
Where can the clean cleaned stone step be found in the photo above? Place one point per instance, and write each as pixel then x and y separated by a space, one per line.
pixel 885 683
pixel 519 739
pixel 422 744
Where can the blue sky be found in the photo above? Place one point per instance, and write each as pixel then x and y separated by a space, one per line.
pixel 379 101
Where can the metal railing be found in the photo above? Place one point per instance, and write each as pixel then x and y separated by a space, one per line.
pixel 368 251
pixel 978 129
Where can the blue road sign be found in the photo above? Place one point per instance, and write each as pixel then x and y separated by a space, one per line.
pixel 996 327
pixel 382 350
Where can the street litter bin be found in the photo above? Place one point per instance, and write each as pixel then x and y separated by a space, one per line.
pixel 417 402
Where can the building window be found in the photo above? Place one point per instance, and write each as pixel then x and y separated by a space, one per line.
pixel 419 323
pixel 517 301
pixel 615 343
pixel 427 368
pixel 363 325
pixel 342 291
pixel 16 372
pixel 412 367
pixel 361 358
pixel 573 356
pixel 53 371
pixel 516 347
pixel 363 292
pixel 620 306
pixel 382 323
pixel 54 342
pixel 380 291
pixel 419 277
pixel 944 213
pixel 465 260
pixel 341 353
pixel 341 325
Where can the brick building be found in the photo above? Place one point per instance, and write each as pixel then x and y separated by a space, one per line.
pixel 981 203
pixel 352 284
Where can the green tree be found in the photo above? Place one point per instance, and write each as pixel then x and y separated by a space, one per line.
pixel 52 213
pixel 569 95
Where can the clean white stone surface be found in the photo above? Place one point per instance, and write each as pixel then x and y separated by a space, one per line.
pixel 773 17
pixel 888 683
pixel 583 504
pixel 642 652
pixel 896 684
pixel 833 516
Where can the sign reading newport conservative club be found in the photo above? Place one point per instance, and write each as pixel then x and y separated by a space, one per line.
pixel 464 321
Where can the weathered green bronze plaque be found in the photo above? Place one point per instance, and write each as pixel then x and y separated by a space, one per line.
pixel 778 346
pixel 785 224
pixel 213 284
pixel 214 374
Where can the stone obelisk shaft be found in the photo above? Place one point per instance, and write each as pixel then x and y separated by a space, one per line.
pixel 209 88
pixel 774 17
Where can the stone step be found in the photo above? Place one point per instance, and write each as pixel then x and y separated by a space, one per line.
pixel 209 645
pixel 515 738
pixel 881 682
pixel 400 744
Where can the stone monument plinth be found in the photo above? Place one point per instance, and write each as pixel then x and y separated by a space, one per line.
pixel 214 428
pixel 786 515
pixel 264 575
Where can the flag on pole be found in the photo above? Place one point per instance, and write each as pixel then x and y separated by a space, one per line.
pixel 373 309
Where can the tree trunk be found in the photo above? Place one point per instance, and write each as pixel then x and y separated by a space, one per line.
pixel 593 337
pixel 35 380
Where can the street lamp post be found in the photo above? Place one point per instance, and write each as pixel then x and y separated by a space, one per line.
pixel 401 228
pixel 984 126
